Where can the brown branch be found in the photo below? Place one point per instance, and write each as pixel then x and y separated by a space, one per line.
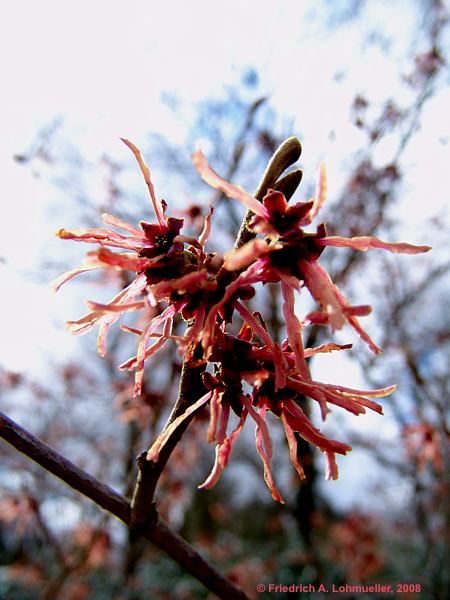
pixel 64 469
pixel 154 529
pixel 190 389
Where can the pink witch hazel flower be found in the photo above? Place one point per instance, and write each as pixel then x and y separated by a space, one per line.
pixel 175 276
pixel 164 271
pixel 289 255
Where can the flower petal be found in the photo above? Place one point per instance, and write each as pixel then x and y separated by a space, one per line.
pixel 116 222
pixel 293 328
pixel 223 453
pixel 245 255
pixel 365 242
pixel 300 423
pixel 157 446
pixel 323 291
pixel 59 281
pixel 232 191
pixel 190 282
pixel 264 446
pixel 293 446
pixel 157 206
pixel 105 237
pixel 332 471
pixel 203 237
pixel 320 194
pixel 330 347
pixel 144 353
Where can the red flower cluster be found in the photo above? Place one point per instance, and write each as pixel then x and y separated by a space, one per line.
pixel 174 272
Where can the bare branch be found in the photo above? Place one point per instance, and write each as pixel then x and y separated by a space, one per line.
pixel 153 529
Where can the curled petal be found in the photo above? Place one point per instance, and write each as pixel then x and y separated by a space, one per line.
pixel 293 447
pixel 223 453
pixel 328 295
pixel 323 291
pixel 59 281
pixel 190 282
pixel 332 471
pixel 321 193
pixel 105 237
pixel 167 315
pixel 129 329
pixel 232 191
pixel 214 406
pixel 86 323
pixel 144 353
pixel 293 328
pixel 352 400
pixel 377 393
pixel 125 260
pixel 326 348
pixel 118 308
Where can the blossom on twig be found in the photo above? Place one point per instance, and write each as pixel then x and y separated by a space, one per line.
pixel 175 274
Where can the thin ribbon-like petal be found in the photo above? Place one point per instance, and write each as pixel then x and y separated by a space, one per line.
pixel 232 191
pixel 320 194
pixel 293 328
pixel 158 445
pixel 264 447
pixel 157 206
pixel 59 281
pixel 300 423
pixel 293 446
pixel 121 224
pixel 245 255
pixel 223 453
pixel 363 243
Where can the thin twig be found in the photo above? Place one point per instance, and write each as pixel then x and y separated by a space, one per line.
pixel 154 528
pixel 63 468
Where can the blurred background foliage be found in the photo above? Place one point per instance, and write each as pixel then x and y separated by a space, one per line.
pixel 388 521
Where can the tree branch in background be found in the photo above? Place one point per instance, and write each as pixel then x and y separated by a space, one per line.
pixel 154 530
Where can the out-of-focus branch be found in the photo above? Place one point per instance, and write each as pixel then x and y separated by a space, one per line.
pixel 63 468
pixel 53 588
pixel 154 529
